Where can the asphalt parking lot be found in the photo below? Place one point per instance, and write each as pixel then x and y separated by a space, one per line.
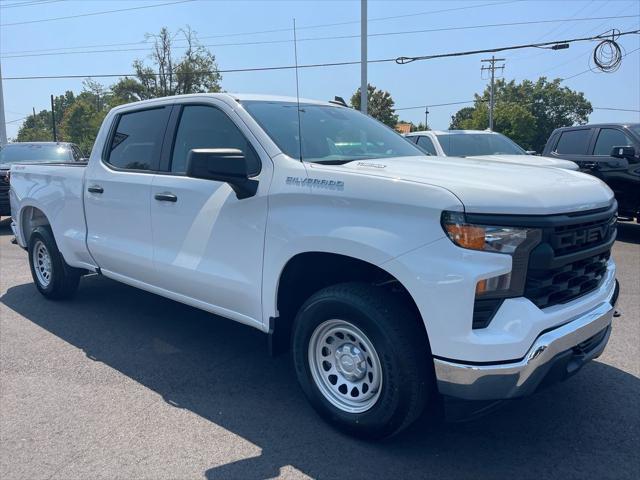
pixel 119 383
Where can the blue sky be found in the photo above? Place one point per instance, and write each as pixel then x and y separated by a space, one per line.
pixel 420 83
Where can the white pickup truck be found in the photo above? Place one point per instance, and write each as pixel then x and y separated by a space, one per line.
pixel 393 276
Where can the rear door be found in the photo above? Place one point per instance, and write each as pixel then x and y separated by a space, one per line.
pixel 118 194
pixel 208 244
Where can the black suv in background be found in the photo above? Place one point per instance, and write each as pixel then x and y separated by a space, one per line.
pixel 31 152
pixel 611 152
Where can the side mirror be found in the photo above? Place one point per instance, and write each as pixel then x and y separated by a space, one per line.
pixel 227 165
pixel 623 152
pixel 530 152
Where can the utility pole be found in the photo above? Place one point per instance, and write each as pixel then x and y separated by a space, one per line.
pixel 426 117
pixel 364 89
pixel 3 124
pixel 492 67
pixel 53 120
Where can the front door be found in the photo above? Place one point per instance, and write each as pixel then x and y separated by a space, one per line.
pixel 621 174
pixel 575 145
pixel 208 244
pixel 118 192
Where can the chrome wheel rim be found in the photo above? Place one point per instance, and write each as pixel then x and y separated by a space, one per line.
pixel 42 263
pixel 345 366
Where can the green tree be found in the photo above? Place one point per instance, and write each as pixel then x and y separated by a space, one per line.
pixel 421 127
pixel 380 105
pixel 36 128
pixel 195 71
pixel 78 117
pixel 461 115
pixel 39 128
pixel 529 111
pixel 511 119
pixel 82 119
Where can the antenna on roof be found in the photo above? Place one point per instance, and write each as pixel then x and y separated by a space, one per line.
pixel 295 53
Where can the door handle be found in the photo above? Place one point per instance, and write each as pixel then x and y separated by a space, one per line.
pixel 95 189
pixel 166 197
pixel 589 165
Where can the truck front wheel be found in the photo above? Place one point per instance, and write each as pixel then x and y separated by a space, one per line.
pixel 362 359
pixel 52 276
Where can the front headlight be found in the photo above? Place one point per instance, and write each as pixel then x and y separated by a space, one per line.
pixel 489 238
pixel 510 240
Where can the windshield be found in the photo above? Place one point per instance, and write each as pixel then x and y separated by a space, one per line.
pixel 473 144
pixel 329 134
pixel 33 152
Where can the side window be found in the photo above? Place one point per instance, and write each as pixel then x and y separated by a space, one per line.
pixel 427 145
pixel 75 151
pixel 609 138
pixel 137 140
pixel 574 142
pixel 208 127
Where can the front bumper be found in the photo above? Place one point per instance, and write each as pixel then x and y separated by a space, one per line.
pixel 554 355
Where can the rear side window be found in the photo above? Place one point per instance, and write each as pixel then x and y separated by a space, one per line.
pixel 137 140
pixel 574 142
pixel 609 138
pixel 208 127
pixel 426 144
pixel 77 155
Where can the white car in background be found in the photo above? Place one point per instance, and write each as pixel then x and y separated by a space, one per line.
pixel 482 145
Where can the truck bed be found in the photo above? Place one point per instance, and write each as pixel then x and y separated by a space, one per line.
pixel 54 190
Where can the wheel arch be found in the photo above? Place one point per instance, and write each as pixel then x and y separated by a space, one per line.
pixel 308 272
pixel 30 218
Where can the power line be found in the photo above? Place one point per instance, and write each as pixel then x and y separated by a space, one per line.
pixel 231 70
pixel 429 106
pixel 598 27
pixel 616 109
pixel 29 4
pixel 324 25
pixel 92 14
pixel 558 29
pixel 17 120
pixel 437 105
pixel 331 64
pixel 405 60
pixel 521 103
pixel 376 19
pixel 585 54
pixel 591 70
pixel 380 34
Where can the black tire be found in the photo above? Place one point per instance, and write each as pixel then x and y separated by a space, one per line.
pixel 401 345
pixel 63 279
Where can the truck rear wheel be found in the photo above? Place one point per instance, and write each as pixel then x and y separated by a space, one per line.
pixel 51 274
pixel 362 359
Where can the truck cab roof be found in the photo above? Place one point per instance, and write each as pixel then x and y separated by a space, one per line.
pixel 231 99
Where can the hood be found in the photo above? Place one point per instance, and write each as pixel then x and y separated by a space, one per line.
pixel 495 187
pixel 531 160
